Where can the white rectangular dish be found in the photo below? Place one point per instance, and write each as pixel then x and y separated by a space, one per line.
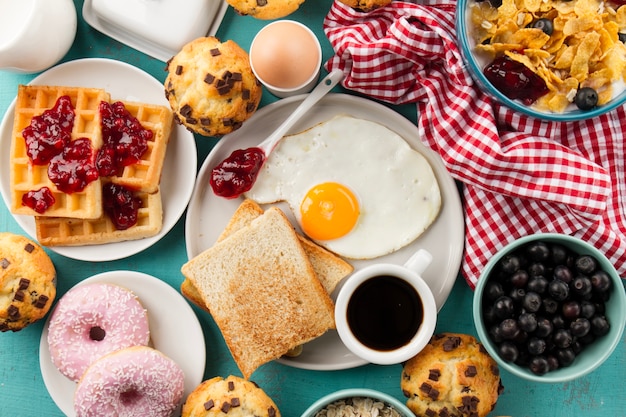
pixel 158 28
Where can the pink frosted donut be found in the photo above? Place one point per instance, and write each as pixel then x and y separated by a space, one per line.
pixel 136 381
pixel 92 320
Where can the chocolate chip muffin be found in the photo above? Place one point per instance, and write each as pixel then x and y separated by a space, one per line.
pixel 211 87
pixel 27 282
pixel 233 396
pixel 453 376
pixel 365 5
pixel 265 9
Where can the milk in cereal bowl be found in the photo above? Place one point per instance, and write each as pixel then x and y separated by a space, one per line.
pixel 551 59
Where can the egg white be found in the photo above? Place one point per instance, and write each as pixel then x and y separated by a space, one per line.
pixel 398 193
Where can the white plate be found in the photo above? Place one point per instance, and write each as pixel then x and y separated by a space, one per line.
pixel 208 214
pixel 157 51
pixel 123 82
pixel 167 331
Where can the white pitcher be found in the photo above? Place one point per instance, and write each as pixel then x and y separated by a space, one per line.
pixel 35 34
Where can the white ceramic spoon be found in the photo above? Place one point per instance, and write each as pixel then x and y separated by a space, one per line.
pixel 229 171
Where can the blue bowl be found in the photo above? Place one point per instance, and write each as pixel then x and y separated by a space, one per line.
pixel 357 392
pixel 594 354
pixel 475 65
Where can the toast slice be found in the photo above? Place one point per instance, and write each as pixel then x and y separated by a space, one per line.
pixel 262 291
pixel 329 268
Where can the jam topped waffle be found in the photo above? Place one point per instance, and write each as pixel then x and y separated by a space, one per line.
pixel 29 177
pixel 145 174
pixel 63 231
pixel 70 147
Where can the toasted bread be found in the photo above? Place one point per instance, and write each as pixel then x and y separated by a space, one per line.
pixel 329 268
pixel 262 291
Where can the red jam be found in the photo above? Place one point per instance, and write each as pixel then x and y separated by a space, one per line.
pixel 125 140
pixel 39 200
pixel 50 132
pixel 121 205
pixel 515 80
pixel 72 170
pixel 236 174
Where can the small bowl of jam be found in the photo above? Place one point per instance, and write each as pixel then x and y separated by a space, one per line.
pixel 386 313
pixel 530 62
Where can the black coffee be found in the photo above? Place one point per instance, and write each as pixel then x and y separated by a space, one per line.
pixel 385 312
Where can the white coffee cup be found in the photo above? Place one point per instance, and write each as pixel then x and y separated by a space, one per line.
pixel 35 34
pixel 386 313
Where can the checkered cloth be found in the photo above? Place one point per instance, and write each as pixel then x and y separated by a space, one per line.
pixel 521 175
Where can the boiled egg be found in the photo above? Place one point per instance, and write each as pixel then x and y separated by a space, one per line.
pixel 354 186
pixel 285 54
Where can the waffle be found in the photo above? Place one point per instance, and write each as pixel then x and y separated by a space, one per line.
pixel 145 174
pixel 60 231
pixel 32 101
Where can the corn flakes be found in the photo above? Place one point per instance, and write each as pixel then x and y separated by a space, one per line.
pixel 579 47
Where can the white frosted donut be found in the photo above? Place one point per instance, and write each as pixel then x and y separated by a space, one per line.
pixel 136 381
pixel 92 320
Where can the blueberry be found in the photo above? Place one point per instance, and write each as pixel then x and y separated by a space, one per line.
pixel 536 269
pixel 585 264
pixel 599 325
pixel 562 338
pixel 531 302
pixel 509 329
pixel 539 365
pixel 519 279
pixel 538 251
pixel 504 307
pixel 571 310
pixel 550 306
pixel 580 327
pixel 538 284
pixel 558 289
pixel 565 356
pixel 509 264
pixel 527 322
pixel 581 286
pixel 545 25
pixel 536 346
pixel 544 327
pixel 600 281
pixel 563 273
pixel 493 290
pixel 587 309
pixel 559 254
pixel 586 98
pixel 508 351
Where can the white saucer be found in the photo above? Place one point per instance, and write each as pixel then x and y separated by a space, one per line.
pixel 177 335
pixel 208 214
pixel 124 82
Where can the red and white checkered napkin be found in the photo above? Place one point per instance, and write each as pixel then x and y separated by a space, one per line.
pixel 521 175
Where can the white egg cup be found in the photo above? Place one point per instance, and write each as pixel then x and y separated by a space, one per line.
pixel 410 272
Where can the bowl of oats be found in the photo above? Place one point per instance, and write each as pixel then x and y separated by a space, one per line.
pixel 551 59
pixel 358 402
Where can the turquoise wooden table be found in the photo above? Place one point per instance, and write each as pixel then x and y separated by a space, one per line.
pixel 22 390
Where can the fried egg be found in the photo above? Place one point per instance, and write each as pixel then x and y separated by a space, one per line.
pixel 354 186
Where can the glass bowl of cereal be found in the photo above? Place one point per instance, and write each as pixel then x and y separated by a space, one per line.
pixel 551 59
pixel 358 402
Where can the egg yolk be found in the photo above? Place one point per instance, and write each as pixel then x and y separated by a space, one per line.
pixel 329 211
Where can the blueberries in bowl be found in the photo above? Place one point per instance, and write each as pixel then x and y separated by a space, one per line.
pixel 543 304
